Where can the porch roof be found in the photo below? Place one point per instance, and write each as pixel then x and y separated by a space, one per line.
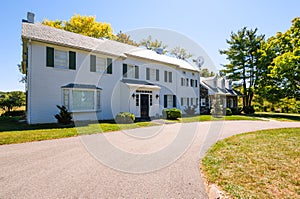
pixel 139 84
pixel 81 86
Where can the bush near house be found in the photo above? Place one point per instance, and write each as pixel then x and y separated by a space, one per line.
pixel 190 110
pixel 125 118
pixel 248 110
pixel 228 111
pixel 64 117
pixel 172 113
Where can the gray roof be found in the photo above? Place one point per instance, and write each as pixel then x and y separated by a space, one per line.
pixel 220 91
pixel 47 34
pixel 83 86
pixel 52 35
pixel 132 81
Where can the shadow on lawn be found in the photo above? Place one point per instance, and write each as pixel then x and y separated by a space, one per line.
pixel 14 124
pixel 277 116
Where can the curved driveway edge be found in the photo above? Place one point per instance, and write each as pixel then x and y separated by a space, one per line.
pixel 64 168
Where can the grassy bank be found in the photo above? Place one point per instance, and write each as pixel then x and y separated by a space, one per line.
pixel 262 164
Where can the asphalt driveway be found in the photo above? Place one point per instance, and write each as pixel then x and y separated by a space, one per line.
pixel 153 162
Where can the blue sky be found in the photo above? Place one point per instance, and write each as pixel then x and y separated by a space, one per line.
pixel 208 23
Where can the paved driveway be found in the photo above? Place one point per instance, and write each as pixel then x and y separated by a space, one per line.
pixel 154 162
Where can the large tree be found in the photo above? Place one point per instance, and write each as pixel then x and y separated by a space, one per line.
pixel 85 25
pixel 180 53
pixel 11 100
pixel 154 45
pixel 124 38
pixel 243 55
pixel 281 60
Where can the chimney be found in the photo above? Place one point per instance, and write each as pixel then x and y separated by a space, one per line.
pixel 30 17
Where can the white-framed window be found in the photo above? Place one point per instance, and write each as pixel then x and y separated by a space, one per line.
pixel 130 71
pixel 100 64
pixel 169 101
pixel 168 76
pixel 192 101
pixel 203 102
pixel 183 81
pixel 61 59
pixel 81 99
pixel 183 101
pixel 152 74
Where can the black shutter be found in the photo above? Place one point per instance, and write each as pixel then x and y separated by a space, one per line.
pixel 157 75
pixel 188 101
pixel 166 76
pixel 196 83
pixel 181 101
pixel 136 74
pixel 109 66
pixel 93 63
pixel 124 70
pixel 174 100
pixel 147 73
pixel 50 57
pixel 72 60
pixel 165 101
pixel 170 76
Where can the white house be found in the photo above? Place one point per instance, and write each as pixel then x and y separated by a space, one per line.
pixel 216 85
pixel 98 78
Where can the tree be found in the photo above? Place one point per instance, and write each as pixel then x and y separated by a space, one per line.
pixel 243 55
pixel 217 109
pixel 85 25
pixel 281 58
pixel 11 100
pixel 206 73
pixel 180 53
pixel 154 45
pixel 124 38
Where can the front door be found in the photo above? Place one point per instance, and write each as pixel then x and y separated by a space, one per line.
pixel 144 105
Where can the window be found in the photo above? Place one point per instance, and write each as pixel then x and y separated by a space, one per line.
pixel 152 74
pixel 187 81
pixel 137 100
pixel 183 101
pixel 192 101
pixel 100 64
pixel 168 76
pixel 130 71
pixel 81 100
pixel 169 101
pixel 66 98
pixel 203 102
pixel 192 83
pixel 60 59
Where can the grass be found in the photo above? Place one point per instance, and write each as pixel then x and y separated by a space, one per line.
pixel 286 117
pixel 11 131
pixel 262 164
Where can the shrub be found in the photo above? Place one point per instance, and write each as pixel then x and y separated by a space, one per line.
pixel 124 118
pixel 64 117
pixel 217 109
pixel 248 110
pixel 190 110
pixel 172 113
pixel 228 111
pixel 14 113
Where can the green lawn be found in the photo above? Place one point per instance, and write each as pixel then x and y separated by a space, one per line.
pixel 286 117
pixel 11 131
pixel 262 164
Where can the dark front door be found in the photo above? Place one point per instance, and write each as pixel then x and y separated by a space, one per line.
pixel 144 105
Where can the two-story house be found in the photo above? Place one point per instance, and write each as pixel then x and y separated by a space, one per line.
pixel 98 78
